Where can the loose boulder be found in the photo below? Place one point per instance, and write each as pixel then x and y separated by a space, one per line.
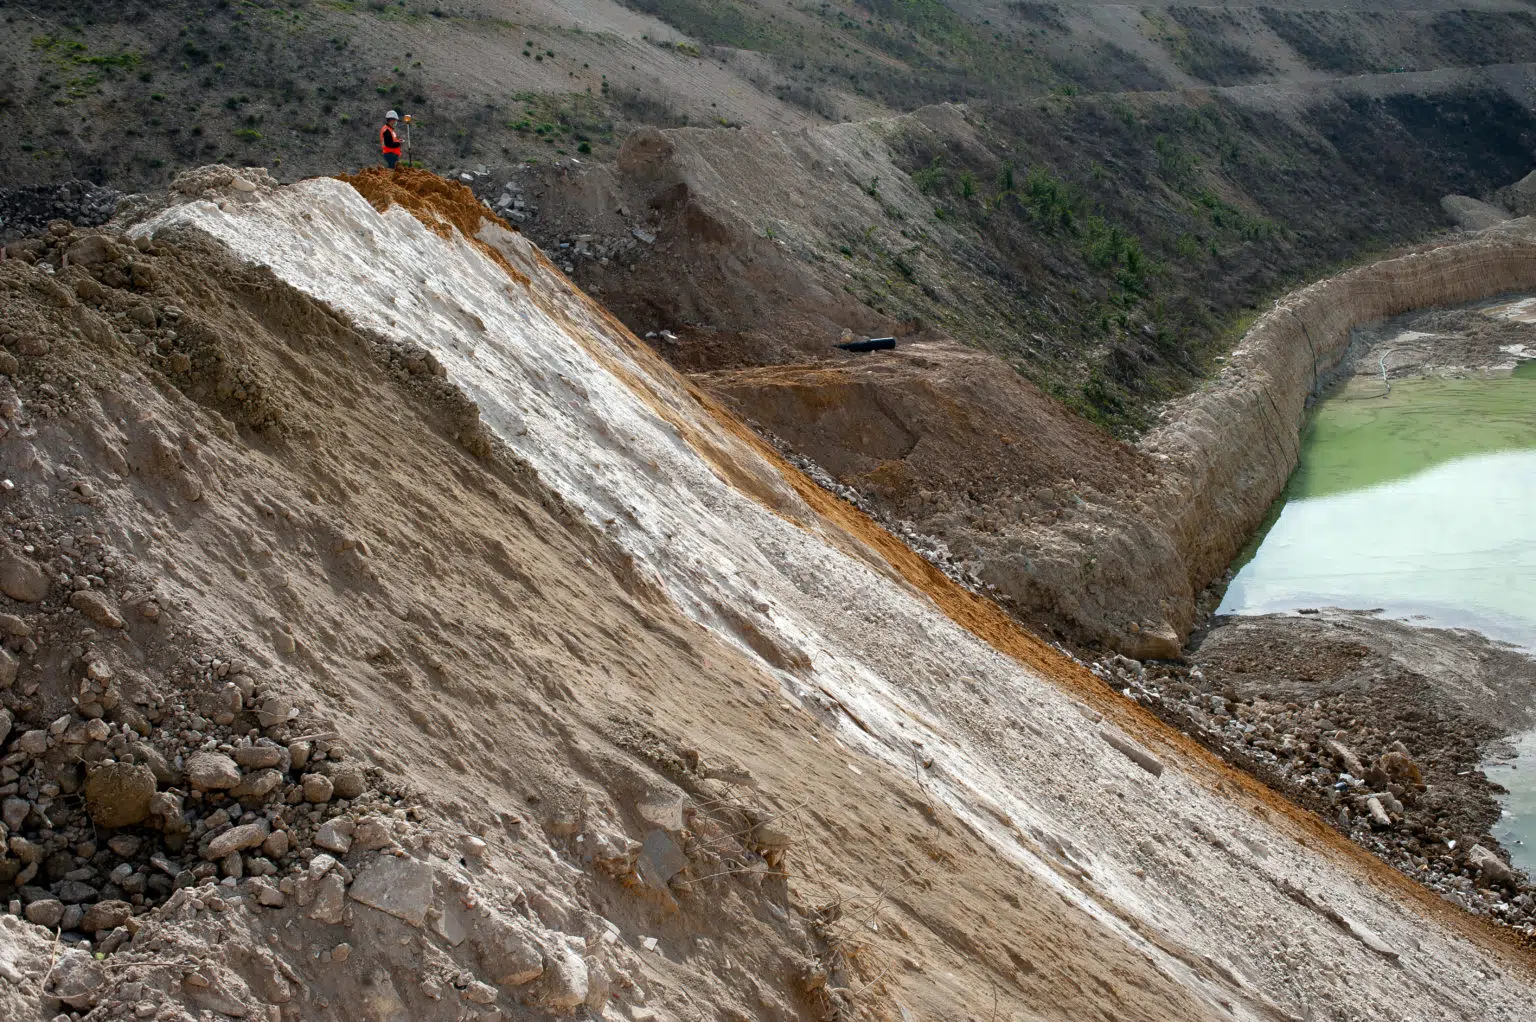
pixel 119 794
pixel 1491 866
pixel 97 608
pixel 237 839
pixel 399 886
pixel 212 771
pixel 22 579
pixel 507 951
pixel 106 915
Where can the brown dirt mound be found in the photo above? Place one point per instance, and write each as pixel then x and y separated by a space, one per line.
pixel 933 422
pixel 1033 499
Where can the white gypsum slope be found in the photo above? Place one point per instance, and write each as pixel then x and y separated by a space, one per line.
pixel 1217 895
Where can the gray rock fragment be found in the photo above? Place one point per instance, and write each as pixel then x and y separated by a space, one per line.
pixel 47 912
pixel 21 578
pixel 96 607
pixel 507 950
pixel 564 984
pixel 335 835
pixel 77 979
pixel 1133 752
pixel 402 887
pixel 106 915
pixel 661 859
pixel 1491 866
pixel 212 771
pixel 330 903
pixel 237 839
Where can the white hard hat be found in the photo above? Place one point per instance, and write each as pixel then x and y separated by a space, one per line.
pixel 391 116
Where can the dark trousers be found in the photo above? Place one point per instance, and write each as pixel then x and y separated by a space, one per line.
pixel 390 159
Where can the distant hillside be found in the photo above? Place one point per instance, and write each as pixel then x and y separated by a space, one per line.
pixel 1120 188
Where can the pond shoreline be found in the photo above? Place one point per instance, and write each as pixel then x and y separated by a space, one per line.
pixel 1381 725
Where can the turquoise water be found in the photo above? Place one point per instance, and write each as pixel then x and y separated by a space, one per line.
pixel 1516 829
pixel 1421 503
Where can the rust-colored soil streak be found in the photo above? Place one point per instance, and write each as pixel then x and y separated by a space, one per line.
pixel 443 206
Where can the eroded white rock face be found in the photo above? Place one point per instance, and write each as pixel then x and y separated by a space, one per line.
pixel 621 439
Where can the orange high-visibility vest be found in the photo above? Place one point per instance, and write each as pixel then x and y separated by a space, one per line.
pixel 388 140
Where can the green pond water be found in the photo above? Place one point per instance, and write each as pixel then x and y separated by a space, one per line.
pixel 1421 503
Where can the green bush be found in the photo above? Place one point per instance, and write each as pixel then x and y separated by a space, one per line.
pixel 1050 202
pixel 930 178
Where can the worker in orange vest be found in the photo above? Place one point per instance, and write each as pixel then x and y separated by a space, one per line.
pixel 389 140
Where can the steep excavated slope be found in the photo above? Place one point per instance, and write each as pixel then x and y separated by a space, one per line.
pixel 297 501
pixel 1231 899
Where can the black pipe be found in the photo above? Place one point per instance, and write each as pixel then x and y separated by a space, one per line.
pixel 873 344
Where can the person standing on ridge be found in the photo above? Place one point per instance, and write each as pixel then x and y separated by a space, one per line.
pixel 389 140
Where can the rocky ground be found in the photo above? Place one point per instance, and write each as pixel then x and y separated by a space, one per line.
pixel 1441 342
pixel 1379 726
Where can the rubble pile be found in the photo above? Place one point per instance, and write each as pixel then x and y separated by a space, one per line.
pixel 569 250
pixel 29 208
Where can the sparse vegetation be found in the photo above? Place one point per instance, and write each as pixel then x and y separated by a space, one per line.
pixel 1125 230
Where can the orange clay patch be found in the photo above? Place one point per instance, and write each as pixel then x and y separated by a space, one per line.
pixel 441 205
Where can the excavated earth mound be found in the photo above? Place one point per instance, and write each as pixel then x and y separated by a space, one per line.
pixel 391 636
pixel 960 446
